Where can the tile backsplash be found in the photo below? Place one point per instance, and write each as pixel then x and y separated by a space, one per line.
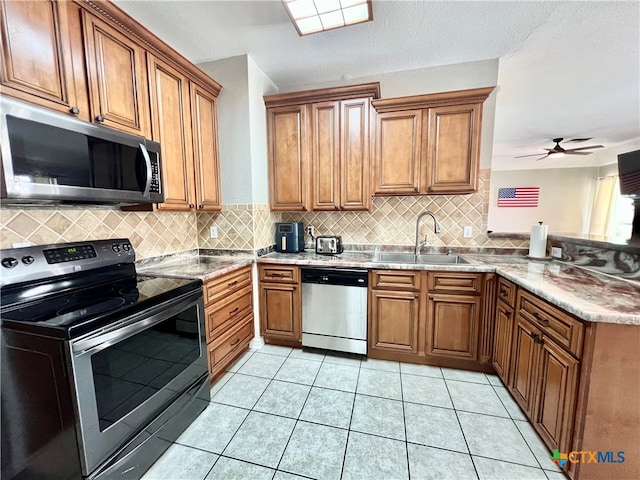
pixel 392 220
pixel 150 233
pixel 251 227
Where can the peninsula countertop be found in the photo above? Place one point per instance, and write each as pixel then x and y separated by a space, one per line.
pixel 591 296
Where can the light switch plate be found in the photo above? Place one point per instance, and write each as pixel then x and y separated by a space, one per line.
pixel 467 232
pixel 213 232
pixel 556 252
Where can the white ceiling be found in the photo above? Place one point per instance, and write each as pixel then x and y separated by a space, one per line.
pixel 567 69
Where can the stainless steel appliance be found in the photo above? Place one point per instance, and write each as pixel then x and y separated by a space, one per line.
pixel 329 245
pixel 334 309
pixel 102 368
pixel 48 157
pixel 289 237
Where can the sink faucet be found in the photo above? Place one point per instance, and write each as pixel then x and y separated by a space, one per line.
pixel 436 229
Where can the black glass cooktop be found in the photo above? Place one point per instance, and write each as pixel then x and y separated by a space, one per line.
pixel 73 305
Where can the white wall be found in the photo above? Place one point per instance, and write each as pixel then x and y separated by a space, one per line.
pixel 566 197
pixel 437 79
pixel 233 128
pixel 259 85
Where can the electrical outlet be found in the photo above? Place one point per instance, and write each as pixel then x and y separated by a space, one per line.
pixel 311 230
pixel 213 232
pixel 467 232
pixel 556 252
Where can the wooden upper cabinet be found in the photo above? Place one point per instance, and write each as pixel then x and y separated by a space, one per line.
pixel 319 148
pixel 452 148
pixel 398 153
pixel 325 155
pixel 355 161
pixel 116 68
pixel 288 157
pixel 204 121
pixel 428 144
pixel 171 127
pixel 36 56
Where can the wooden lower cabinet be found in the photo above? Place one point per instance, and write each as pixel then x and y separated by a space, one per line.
pixel 280 304
pixel 524 363
pixel 556 395
pixel 393 321
pixel 503 331
pixel 228 318
pixel 453 326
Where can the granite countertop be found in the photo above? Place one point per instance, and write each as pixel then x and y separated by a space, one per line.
pixel 591 296
pixel 192 265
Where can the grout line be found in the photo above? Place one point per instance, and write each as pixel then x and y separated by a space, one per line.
pixel 404 420
pixel 353 406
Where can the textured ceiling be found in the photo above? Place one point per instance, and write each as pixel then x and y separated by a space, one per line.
pixel 567 69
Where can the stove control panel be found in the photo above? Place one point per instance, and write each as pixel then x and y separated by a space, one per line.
pixel 33 263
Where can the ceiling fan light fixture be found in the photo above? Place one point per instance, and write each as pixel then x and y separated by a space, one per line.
pixel 312 16
pixel 556 155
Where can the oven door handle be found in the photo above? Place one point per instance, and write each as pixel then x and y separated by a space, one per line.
pixel 133 325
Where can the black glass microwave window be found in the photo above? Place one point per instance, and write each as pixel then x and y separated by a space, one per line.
pixel 128 373
pixel 51 155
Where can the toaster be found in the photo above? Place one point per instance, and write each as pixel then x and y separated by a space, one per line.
pixel 329 245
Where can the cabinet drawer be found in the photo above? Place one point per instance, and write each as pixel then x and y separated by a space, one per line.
pixel 279 273
pixel 507 292
pixel 453 282
pixel 224 348
pixel 395 280
pixel 564 329
pixel 221 287
pixel 222 314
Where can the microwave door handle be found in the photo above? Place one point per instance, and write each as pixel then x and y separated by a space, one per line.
pixel 147 161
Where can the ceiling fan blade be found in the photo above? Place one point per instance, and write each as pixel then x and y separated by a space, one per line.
pixel 532 155
pixel 583 148
pixel 542 158
pixel 569 152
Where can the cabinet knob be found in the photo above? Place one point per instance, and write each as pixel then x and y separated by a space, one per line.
pixel 74 110
pixel 200 207
pixel 237 341
pixel 100 119
pixel 191 205
pixel 416 295
pixel 430 297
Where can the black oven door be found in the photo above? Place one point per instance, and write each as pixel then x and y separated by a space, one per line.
pixel 126 374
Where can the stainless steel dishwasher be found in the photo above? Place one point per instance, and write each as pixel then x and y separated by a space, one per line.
pixel 334 309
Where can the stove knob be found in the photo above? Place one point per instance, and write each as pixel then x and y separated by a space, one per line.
pixel 126 247
pixel 9 262
pixel 116 248
pixel 28 259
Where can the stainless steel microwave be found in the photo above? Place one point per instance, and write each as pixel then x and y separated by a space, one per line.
pixel 48 157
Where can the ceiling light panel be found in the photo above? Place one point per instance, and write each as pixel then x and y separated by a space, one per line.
pixel 311 16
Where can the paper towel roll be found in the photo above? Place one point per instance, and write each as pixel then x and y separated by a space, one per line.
pixel 538 242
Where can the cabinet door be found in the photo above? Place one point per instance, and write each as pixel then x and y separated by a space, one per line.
pixel 325 155
pixel 171 126
pixel 288 157
pixel 452 326
pixel 502 341
pixel 117 70
pixel 36 55
pixel 393 321
pixel 354 154
pixel 280 311
pixel 524 361
pixel 398 152
pixel 556 397
pixel 453 148
pixel 206 157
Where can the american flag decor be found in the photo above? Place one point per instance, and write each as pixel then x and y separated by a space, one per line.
pixel 518 197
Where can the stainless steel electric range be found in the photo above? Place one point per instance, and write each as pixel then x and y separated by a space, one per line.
pixel 101 368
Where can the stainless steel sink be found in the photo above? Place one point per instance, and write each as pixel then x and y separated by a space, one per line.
pixel 426 259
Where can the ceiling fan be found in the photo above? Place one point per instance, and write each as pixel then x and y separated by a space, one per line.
pixel 558 151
